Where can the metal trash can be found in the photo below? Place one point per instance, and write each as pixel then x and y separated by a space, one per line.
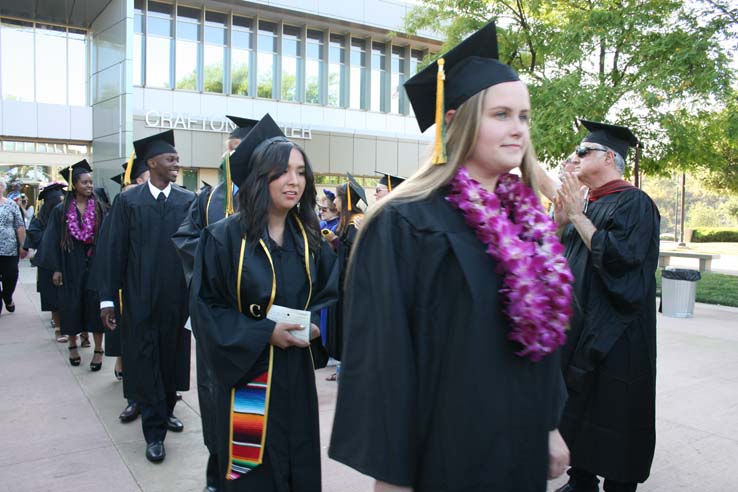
pixel 678 292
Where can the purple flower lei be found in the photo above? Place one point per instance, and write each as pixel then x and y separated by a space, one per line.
pixel 87 232
pixel 537 285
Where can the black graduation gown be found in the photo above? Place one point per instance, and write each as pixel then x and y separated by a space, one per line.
pixel 79 308
pixel 47 290
pixel 208 208
pixel 609 360
pixel 431 393
pixel 237 346
pixel 334 337
pixel 141 260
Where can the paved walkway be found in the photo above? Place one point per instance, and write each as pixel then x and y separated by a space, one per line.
pixel 59 428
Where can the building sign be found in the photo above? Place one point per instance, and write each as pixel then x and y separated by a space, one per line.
pixel 181 121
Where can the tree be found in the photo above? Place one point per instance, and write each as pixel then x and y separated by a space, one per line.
pixel 623 61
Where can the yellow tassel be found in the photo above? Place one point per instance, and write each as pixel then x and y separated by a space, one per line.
pixel 348 195
pixel 389 184
pixel 439 147
pixel 129 169
pixel 229 185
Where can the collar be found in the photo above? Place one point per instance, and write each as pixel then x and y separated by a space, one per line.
pixel 155 191
pixel 235 189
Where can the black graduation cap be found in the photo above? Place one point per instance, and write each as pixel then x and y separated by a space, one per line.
pixel 49 188
pixel 161 143
pixel 354 192
pixel 240 161
pixel 71 172
pixel 243 126
pixel 618 138
pixel 390 181
pixel 470 67
pixel 139 167
pixel 118 178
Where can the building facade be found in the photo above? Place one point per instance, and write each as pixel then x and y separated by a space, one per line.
pixel 99 74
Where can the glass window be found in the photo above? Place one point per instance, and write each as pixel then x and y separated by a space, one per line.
pixel 358 74
pixel 416 61
pixel 16 41
pixel 315 56
pixel 337 71
pixel 188 35
pixel 266 58
pixel 215 38
pixel 291 62
pixel 159 45
pixel 399 75
pixel 242 46
pixel 189 179
pixel 77 149
pixel 77 66
pixel 138 42
pixel 379 77
pixel 51 64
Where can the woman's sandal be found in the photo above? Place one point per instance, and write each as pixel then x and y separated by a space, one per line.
pixel 332 377
pixel 85 340
pixel 75 361
pixel 95 366
pixel 59 337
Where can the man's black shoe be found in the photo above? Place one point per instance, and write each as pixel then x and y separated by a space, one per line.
pixel 130 413
pixel 155 452
pixel 174 424
pixel 210 488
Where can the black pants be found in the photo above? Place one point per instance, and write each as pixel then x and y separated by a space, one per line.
pixel 8 277
pixel 585 481
pixel 154 418
pixel 211 473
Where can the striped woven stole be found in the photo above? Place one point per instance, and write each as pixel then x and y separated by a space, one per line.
pixel 248 419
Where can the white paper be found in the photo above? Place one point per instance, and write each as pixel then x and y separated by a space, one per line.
pixel 281 314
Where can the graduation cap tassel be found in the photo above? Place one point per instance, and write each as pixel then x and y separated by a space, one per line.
pixel 129 169
pixel 636 169
pixel 439 148
pixel 389 184
pixel 229 185
pixel 348 195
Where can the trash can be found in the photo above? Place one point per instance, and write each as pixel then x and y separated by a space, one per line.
pixel 678 292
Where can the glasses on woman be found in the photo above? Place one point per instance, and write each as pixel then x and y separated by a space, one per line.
pixel 581 151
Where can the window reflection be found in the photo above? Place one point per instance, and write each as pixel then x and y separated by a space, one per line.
pixel 291 61
pixel 77 66
pixel 158 44
pixel 314 67
pixel 138 42
pixel 337 71
pixel 17 51
pixel 266 58
pixel 242 44
pixel 214 53
pixel 416 61
pixel 358 74
pixel 379 77
pixel 399 75
pixel 51 64
pixel 188 34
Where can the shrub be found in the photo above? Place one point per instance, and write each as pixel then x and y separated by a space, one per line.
pixel 715 235
pixel 667 237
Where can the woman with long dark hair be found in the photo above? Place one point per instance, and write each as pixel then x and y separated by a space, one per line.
pixel 52 194
pixel 67 249
pixel 267 256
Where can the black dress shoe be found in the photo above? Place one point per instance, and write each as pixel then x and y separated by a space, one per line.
pixel 174 424
pixel 155 452
pixel 210 488
pixel 130 413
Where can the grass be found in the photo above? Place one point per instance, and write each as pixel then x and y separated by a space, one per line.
pixel 713 288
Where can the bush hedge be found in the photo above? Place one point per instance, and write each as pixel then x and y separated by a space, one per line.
pixel 715 235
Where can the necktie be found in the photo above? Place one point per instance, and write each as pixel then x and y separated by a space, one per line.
pixel 161 200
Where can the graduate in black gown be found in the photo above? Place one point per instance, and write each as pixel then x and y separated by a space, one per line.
pixel 268 254
pixel 211 205
pixel 348 197
pixel 438 389
pixel 609 361
pixel 68 250
pixel 386 184
pixel 142 261
pixel 51 195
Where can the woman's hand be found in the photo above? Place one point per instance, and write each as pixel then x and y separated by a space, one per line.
pixel 558 454
pixel 282 338
pixel 56 279
pixel 107 315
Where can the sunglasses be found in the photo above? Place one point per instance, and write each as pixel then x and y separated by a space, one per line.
pixel 582 150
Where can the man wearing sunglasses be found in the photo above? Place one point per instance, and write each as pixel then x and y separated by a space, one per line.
pixel 608 362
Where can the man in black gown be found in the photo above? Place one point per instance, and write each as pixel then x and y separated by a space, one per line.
pixel 210 206
pixel 141 260
pixel 609 360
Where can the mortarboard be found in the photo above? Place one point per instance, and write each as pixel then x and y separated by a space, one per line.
pixel 56 185
pixel 149 147
pixel 354 187
pixel 329 194
pixel 118 178
pixel 243 126
pixel 71 172
pixel 390 181
pixel 133 168
pixel 618 138
pixel 468 68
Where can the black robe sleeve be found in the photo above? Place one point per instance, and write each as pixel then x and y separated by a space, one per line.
pixel 325 294
pixel 112 250
pixel 232 341
pixel 374 430
pixel 188 234
pixel 34 233
pixel 96 278
pixel 49 255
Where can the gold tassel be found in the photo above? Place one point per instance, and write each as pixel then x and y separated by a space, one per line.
pixel 348 195
pixel 439 147
pixel 129 170
pixel 229 185
pixel 389 184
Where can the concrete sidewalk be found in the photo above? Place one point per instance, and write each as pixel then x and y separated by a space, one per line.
pixel 59 427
